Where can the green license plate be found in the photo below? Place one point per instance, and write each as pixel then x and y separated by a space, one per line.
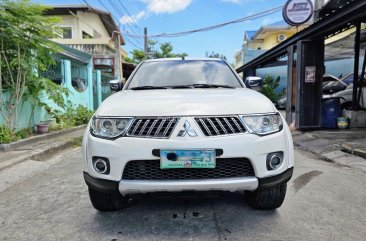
pixel 187 158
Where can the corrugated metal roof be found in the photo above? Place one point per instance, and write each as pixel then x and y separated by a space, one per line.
pixel 74 54
pixel 250 34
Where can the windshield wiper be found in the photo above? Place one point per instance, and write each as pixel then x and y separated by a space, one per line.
pixel 212 86
pixel 148 87
pixel 181 87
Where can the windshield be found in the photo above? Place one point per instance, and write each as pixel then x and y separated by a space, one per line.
pixel 184 73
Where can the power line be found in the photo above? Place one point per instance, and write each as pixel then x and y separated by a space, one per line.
pixel 105 7
pixel 128 40
pixel 128 13
pixel 117 10
pixel 120 13
pixel 178 34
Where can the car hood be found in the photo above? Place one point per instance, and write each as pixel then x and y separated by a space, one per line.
pixel 177 102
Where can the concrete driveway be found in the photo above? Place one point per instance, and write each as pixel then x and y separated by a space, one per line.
pixel 324 202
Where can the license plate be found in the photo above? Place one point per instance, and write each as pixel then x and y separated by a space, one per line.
pixel 187 158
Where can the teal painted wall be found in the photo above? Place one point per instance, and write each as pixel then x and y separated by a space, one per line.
pixel 77 78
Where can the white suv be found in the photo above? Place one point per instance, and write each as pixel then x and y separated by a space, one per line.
pixel 186 125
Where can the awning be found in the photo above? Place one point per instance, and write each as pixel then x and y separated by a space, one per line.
pixel 338 21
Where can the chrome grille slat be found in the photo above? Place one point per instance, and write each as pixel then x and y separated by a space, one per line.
pixel 168 127
pixel 136 126
pixel 159 128
pixel 213 126
pixel 205 126
pixel 143 127
pixel 236 123
pixel 152 127
pixel 229 125
pixel 220 125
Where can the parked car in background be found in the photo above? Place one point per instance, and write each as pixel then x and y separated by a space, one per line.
pixel 328 78
pixel 346 97
pixel 334 85
pixel 346 93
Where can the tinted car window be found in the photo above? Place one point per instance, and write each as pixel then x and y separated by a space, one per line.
pixel 184 72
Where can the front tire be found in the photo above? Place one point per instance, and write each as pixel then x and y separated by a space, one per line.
pixel 267 199
pixel 106 202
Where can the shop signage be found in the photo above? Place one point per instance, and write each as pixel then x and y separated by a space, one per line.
pixel 310 74
pixel 296 12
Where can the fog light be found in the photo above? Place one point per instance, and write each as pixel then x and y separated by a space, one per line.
pixel 274 160
pixel 101 165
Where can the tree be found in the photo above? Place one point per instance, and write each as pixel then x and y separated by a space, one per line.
pixel 269 87
pixel 24 51
pixel 215 55
pixel 166 51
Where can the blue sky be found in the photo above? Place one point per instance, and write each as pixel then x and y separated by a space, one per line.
pixel 170 16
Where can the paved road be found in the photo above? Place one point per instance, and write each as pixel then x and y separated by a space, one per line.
pixel 324 202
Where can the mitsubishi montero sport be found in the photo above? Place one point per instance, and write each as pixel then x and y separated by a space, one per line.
pixel 186 125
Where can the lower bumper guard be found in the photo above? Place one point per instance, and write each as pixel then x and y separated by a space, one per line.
pixel 230 184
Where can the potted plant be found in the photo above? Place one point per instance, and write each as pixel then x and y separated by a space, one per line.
pixel 42 127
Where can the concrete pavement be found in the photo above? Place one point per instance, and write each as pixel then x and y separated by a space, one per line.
pixel 39 147
pixel 325 201
pixel 329 149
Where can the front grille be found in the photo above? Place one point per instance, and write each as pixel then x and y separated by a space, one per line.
pixel 214 126
pixel 152 127
pixel 150 170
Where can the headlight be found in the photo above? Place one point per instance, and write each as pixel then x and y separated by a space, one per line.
pixel 109 127
pixel 263 124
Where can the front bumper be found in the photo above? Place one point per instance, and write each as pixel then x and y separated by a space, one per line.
pixel 122 150
pixel 228 184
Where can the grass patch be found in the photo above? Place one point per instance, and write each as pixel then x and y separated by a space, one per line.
pixel 76 142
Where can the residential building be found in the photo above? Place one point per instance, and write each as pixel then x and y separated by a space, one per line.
pixel 266 37
pixel 92 31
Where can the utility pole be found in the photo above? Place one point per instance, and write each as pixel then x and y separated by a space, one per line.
pixel 145 42
pixel 318 4
pixel 117 49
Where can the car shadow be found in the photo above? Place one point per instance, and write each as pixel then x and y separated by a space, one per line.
pixel 199 215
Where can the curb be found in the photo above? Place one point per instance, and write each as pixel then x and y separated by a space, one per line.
pixel 331 151
pixel 354 151
pixel 16 144
pixel 40 155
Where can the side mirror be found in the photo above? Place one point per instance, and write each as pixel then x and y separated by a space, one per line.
pixel 115 85
pixel 253 82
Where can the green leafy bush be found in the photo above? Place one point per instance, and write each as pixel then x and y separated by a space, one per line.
pixel 23 133
pixel 269 87
pixel 71 116
pixel 6 134
pixel 82 116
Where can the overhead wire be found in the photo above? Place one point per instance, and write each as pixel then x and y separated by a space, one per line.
pixel 124 35
pixel 178 34
pixel 120 14
pixel 129 14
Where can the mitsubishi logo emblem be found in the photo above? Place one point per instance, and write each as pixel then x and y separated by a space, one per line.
pixel 187 130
